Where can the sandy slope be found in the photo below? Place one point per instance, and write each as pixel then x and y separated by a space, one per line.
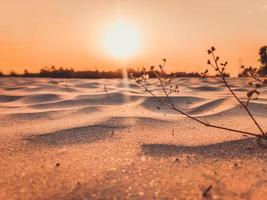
pixel 69 139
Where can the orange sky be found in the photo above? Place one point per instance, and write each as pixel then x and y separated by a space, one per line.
pixel 37 33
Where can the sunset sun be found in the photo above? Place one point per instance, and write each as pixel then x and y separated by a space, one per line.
pixel 121 40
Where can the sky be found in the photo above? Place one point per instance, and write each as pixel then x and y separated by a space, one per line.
pixel 70 33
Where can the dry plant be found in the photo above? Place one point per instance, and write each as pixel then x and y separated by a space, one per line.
pixel 168 87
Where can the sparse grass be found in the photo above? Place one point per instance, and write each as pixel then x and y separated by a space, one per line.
pixel 168 87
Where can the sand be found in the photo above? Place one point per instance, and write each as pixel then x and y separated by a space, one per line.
pixel 69 139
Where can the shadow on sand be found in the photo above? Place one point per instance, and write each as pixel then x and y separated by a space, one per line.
pixel 91 133
pixel 229 149
pixel 80 135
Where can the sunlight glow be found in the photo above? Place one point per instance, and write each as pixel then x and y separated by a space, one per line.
pixel 121 40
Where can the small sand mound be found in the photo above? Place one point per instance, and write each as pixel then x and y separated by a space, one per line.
pixel 150 103
pixel 51 88
pixel 14 88
pixel 48 115
pixel 79 135
pixel 88 85
pixel 212 107
pixel 147 121
pixel 40 98
pixel 206 88
pixel 88 100
pixel 6 98
pixel 257 109
pixel 112 98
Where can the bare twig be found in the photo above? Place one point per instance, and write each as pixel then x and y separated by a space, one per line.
pixel 171 105
pixel 167 101
pixel 217 68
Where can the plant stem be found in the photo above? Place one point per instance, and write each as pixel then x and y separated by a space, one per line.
pixel 232 92
pixel 172 106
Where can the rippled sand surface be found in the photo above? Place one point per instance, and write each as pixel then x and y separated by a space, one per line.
pixel 70 139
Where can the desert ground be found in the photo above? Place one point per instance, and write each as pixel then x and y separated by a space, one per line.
pixel 72 139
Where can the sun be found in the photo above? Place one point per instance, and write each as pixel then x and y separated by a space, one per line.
pixel 121 40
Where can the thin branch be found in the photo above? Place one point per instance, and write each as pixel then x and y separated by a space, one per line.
pixel 172 106
pixel 233 93
pixel 247 102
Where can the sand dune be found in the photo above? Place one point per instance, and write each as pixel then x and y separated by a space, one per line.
pixel 99 139
pixel 212 107
pixel 6 98
pixel 39 98
pixel 206 88
pixel 88 85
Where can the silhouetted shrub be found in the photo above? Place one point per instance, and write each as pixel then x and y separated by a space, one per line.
pixel 263 60
pixel 13 73
pixel 55 72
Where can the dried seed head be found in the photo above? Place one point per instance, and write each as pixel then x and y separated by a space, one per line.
pixel 250 83
pixel 258 85
pixel 250 93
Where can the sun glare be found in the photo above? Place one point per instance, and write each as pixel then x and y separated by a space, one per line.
pixel 121 40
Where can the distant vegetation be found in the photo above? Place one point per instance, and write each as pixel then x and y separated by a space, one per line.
pixel 60 72
pixel 262 70
pixel 263 60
